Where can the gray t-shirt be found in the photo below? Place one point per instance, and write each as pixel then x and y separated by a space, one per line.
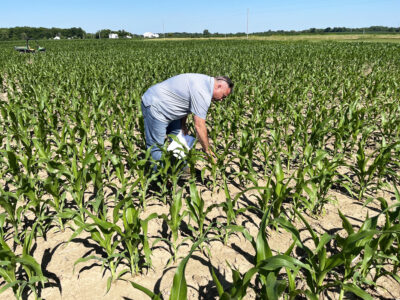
pixel 180 95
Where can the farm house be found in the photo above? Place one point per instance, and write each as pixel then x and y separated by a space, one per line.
pixel 150 35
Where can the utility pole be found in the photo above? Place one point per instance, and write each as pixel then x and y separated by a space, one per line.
pixel 247 25
pixel 163 29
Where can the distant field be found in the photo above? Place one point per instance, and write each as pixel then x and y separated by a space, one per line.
pixel 395 38
pixel 334 37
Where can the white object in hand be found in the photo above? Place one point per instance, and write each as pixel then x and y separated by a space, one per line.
pixel 185 140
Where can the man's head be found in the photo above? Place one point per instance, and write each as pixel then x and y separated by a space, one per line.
pixel 223 86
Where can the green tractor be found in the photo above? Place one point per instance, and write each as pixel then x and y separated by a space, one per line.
pixel 28 49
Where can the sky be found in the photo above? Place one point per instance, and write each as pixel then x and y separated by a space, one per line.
pixel 195 16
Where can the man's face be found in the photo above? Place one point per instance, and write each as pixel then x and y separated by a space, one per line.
pixel 221 90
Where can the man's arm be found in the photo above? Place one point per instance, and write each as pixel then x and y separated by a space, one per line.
pixel 201 130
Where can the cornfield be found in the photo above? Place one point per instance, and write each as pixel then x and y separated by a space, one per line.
pixel 302 201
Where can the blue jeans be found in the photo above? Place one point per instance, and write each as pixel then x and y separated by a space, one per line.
pixel 156 131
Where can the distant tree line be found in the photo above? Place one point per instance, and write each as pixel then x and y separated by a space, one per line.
pixel 18 33
pixel 371 29
pixel 344 30
pixel 37 33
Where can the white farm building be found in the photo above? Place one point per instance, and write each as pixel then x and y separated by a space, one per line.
pixel 150 35
pixel 113 36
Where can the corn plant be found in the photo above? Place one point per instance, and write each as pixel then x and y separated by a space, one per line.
pixel 381 254
pixel 174 221
pixel 197 210
pixel 179 285
pixel 280 189
pixel 367 166
pixel 165 170
pixel 315 179
pixel 22 272
pixel 13 214
pixel 231 212
pixel 266 269
pixel 53 187
pixel 26 190
pixel 245 152
pixel 218 169
pixel 145 176
pixel 131 237
pixel 321 265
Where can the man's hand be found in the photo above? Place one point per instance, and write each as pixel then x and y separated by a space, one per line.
pixel 211 157
pixel 201 130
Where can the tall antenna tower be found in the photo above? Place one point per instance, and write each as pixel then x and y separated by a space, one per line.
pixel 247 24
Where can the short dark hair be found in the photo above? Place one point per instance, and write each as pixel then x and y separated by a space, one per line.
pixel 227 80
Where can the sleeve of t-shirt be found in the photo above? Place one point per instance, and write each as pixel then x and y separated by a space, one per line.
pixel 200 101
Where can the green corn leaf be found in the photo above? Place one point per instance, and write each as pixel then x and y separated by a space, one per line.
pixel 131 215
pixel 179 286
pixel 346 223
pixel 241 229
pixel 289 227
pixel 218 284
pixel 109 281
pixel 9 206
pixel 122 273
pixel 369 252
pixel 331 263
pixel 369 223
pixel 275 287
pixel 146 291
pixel 238 291
pixel 262 248
pixel 323 241
pixel 281 261
pixel 87 258
pixel 349 244
pixel 350 287
pixel 28 261
pixel 396 277
pixel 311 295
pixel 12 161
pixel 53 167
pixel 29 236
pixel 10 285
pixel 41 151
pixel 313 235
pixel 226 296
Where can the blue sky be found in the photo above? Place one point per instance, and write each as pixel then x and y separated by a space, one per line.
pixel 195 16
